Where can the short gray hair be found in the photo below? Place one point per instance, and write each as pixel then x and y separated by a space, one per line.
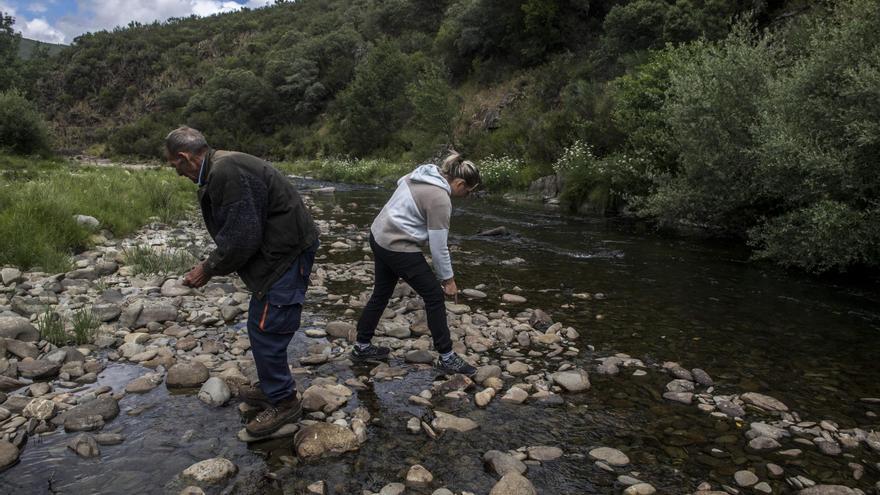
pixel 185 139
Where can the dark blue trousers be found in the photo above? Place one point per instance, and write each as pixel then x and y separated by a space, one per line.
pixel 273 320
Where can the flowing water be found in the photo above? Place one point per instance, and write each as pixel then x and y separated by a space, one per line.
pixel 811 344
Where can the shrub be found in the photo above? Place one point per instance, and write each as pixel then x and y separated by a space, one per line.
pixel 84 325
pixel 22 128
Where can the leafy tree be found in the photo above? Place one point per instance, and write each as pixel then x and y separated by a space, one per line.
pixel 22 128
pixel 9 40
pixel 235 102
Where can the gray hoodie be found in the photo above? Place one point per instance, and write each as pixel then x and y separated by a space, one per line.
pixel 418 214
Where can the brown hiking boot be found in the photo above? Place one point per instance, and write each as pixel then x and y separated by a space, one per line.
pixel 274 417
pixel 253 395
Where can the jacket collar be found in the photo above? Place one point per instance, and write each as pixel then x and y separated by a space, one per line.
pixel 205 169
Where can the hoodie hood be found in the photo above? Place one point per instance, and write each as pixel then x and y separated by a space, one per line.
pixel 430 174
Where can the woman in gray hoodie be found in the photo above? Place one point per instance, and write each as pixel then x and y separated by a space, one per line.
pixel 417 214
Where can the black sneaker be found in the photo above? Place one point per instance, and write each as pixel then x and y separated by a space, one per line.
pixel 455 364
pixel 370 353
pixel 274 417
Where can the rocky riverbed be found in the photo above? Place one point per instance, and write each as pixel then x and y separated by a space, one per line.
pixel 168 355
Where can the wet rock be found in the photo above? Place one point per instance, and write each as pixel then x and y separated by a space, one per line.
pixel 317 488
pixel 84 445
pixel 211 471
pixel 513 484
pixel 214 392
pixel 384 372
pixel 106 311
pixel 494 232
pixel 326 398
pixel 418 476
pixel 444 421
pixel 683 397
pixel 16 403
pixel 828 490
pixel 105 406
pixel 393 489
pixel 186 375
pixel 774 470
pixel 473 294
pixel 484 397
pixel 761 444
pixel 18 328
pixel 287 430
pixel 873 441
pixel 502 463
pixel 515 395
pixel 457 309
pixel 38 368
pixel 745 478
pixel 485 372
pixel 543 453
pixel 341 330
pixel 612 457
pixel 828 447
pixel 513 299
pixel 109 438
pixel 681 373
pixel 321 439
pixel 730 408
pixel 8 454
pixel 764 430
pixel 702 377
pixel 679 386
pixel 640 489
pixel 455 383
pixel 764 402
pixel 40 409
pixel 572 380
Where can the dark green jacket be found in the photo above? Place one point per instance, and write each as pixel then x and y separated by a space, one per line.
pixel 255 216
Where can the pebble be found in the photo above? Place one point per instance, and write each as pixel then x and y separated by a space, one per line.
pixel 418 476
pixel 513 299
pixel 640 489
pixel 745 478
pixel 609 456
pixel 544 453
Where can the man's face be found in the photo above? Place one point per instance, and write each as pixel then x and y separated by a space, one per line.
pixel 185 164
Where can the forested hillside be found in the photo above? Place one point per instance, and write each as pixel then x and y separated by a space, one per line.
pixel 755 119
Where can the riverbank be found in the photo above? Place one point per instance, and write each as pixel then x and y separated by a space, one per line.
pixel 548 405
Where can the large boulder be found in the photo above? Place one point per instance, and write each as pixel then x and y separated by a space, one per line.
pixel 322 439
pixel 105 406
pixel 18 328
pixel 187 375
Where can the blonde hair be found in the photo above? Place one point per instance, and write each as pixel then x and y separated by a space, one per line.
pixel 456 167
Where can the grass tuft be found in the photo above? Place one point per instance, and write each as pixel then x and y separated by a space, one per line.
pixel 84 325
pixel 148 261
pixel 51 328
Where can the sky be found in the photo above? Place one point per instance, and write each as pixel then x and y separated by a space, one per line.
pixel 60 21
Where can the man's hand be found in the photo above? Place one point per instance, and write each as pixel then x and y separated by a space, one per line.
pixel 450 289
pixel 196 277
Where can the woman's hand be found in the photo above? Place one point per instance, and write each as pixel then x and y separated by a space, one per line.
pixel 450 289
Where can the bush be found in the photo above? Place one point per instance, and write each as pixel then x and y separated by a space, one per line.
pixel 22 128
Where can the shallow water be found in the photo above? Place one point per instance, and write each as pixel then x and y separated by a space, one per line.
pixel 753 328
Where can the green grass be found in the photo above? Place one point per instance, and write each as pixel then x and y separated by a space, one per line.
pixel 145 260
pixel 51 328
pixel 367 171
pixel 38 199
pixel 84 325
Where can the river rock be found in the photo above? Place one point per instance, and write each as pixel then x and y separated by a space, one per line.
pixel 760 429
pixel 761 444
pixel 214 392
pixel 764 402
pixel 326 398
pixel 38 368
pixel 513 299
pixel 211 471
pixel 106 311
pixel 109 438
pixel 8 454
pixel 485 372
pixel 873 440
pixel 287 430
pixel 745 478
pixel 105 406
pixel 186 375
pixel 419 357
pixel 484 397
pixel 10 276
pixel 418 476
pixel 683 397
pixel 473 294
pixel 22 349
pixel 175 288
pixel 515 395
pixel 9 384
pixel 730 408
pixel 513 483
pixel 609 456
pixel 341 330
pixel 828 490
pixel 87 221
pixel 321 439
pixel 502 462
pixel 444 421
pixel 702 377
pixel 544 453
pixel 573 380
pixel 84 445
pixel 18 328
pixel 39 409
pixel 640 489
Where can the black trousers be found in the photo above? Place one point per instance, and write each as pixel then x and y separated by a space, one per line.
pixel 390 266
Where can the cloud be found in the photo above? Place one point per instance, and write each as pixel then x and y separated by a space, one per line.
pixel 39 29
pixel 37 8
pixel 97 15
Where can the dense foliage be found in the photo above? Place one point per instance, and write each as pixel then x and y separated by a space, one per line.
pixel 755 119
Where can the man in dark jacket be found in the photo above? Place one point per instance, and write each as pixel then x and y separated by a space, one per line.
pixel 265 233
